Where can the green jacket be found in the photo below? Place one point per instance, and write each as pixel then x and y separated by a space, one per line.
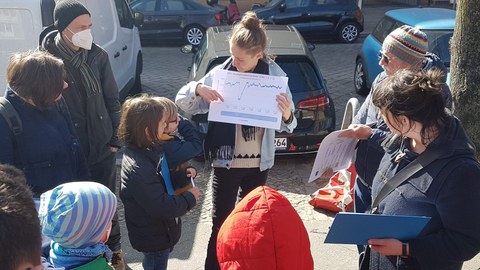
pixel 100 263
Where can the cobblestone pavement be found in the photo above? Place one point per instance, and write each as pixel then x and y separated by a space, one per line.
pixel 165 71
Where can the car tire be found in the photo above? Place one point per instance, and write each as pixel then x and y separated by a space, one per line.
pixel 348 32
pixel 194 34
pixel 360 78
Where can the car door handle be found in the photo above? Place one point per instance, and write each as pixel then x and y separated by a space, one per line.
pixel 117 54
pixel 124 48
pixel 305 14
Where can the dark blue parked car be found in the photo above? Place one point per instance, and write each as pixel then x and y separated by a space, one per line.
pixel 316 19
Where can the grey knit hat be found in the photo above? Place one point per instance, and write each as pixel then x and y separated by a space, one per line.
pixel 407 43
pixel 66 11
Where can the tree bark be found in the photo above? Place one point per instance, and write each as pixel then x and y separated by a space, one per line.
pixel 465 67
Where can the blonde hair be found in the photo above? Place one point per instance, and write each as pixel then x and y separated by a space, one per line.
pixel 249 34
pixel 171 111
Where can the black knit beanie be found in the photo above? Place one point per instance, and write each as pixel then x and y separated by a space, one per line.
pixel 66 11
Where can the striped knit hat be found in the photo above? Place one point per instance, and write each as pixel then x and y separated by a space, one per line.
pixel 407 43
pixel 77 214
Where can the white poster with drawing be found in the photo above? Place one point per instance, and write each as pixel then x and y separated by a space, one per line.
pixel 249 99
pixel 334 153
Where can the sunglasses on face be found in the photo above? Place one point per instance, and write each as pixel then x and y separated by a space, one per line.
pixel 384 57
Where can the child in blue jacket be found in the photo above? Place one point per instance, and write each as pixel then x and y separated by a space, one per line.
pixel 181 143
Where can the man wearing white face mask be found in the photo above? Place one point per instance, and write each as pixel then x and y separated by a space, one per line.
pixel 91 97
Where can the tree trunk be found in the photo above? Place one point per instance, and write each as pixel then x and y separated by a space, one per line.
pixel 465 67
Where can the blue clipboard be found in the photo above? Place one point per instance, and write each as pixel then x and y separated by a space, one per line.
pixel 356 228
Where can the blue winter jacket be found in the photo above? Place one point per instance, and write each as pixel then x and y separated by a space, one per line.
pixel 445 190
pixel 47 151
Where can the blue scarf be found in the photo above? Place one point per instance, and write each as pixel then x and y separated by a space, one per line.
pixel 74 257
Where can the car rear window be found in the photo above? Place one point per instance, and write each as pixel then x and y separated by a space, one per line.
pixel 438 43
pixel 301 74
pixel 384 27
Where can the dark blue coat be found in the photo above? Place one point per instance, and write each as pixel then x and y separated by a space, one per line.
pixel 447 190
pixel 180 150
pixel 152 216
pixel 47 150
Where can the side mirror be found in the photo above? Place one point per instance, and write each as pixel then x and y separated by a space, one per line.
pixel 189 48
pixel 138 19
pixel 256 5
pixel 310 46
pixel 282 7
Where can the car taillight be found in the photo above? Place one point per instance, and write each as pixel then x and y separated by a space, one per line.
pixel 218 16
pixel 313 103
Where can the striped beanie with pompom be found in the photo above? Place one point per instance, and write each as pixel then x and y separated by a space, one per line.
pixel 77 214
pixel 407 43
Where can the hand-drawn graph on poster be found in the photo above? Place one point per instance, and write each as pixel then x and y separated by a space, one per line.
pixel 249 99
pixel 334 153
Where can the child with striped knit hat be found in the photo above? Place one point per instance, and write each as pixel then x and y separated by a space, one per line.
pixel 77 216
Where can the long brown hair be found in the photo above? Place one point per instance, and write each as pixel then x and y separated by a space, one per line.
pixel 139 121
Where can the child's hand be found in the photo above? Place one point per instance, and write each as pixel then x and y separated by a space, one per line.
pixel 195 191
pixel 191 172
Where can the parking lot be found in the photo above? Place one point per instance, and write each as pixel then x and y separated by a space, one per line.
pixel 165 71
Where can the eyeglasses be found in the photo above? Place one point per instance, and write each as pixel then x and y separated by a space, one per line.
pixel 174 121
pixel 382 55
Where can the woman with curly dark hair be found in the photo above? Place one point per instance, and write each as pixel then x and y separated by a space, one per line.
pixel 446 189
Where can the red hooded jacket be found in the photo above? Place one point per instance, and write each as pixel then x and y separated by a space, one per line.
pixel 264 232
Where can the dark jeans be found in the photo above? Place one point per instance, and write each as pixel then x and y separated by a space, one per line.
pixel 104 172
pixel 156 260
pixel 226 185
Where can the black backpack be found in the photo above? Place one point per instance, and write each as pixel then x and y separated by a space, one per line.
pixel 11 116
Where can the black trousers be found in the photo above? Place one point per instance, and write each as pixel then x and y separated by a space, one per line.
pixel 226 186
pixel 104 172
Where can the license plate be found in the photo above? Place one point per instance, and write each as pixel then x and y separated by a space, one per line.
pixel 280 143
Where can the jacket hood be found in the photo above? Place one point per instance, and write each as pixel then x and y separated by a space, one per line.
pixel 456 140
pixel 264 232
pixel 47 37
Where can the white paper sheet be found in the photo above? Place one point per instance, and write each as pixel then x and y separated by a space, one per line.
pixel 249 99
pixel 334 153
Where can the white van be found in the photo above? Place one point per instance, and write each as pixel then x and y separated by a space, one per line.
pixel 114 28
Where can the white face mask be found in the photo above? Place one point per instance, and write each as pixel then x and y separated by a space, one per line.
pixel 82 39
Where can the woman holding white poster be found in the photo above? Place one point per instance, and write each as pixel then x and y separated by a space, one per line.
pixel 241 155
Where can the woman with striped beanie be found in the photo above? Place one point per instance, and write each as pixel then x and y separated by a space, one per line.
pixel 77 216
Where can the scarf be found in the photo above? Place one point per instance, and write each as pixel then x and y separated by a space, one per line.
pixel 220 140
pixel 78 59
pixel 74 257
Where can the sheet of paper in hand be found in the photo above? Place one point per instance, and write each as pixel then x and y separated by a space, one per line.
pixel 334 153
pixel 249 99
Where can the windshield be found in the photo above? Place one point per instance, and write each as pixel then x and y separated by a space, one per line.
pixel 439 44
